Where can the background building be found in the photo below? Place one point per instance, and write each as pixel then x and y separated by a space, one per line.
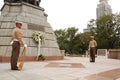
pixel 90 25
pixel 87 29
pixel 103 8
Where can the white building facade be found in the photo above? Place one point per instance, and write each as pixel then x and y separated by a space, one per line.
pixel 103 8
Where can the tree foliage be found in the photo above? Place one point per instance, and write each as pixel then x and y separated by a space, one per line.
pixel 81 42
pixel 72 41
pixel 65 38
pixel 107 31
pixel 61 36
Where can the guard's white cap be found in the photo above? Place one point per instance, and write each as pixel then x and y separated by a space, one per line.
pixel 18 22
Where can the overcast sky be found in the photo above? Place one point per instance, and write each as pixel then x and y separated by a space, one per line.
pixel 72 13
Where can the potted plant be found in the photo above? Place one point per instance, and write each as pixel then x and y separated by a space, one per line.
pixel 41 57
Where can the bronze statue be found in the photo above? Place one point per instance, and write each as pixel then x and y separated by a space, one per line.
pixel 33 2
pixel 12 1
pixel 37 2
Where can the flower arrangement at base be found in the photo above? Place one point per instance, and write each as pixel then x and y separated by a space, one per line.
pixel 39 38
pixel 38 35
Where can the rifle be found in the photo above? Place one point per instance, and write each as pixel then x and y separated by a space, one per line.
pixel 20 66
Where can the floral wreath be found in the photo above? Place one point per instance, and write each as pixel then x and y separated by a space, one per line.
pixel 36 35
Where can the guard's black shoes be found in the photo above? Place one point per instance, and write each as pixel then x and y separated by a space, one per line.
pixel 16 69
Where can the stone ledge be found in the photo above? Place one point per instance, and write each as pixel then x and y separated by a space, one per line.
pixel 114 53
pixel 114 49
pixel 4 59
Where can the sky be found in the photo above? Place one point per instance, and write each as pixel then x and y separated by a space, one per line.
pixel 72 13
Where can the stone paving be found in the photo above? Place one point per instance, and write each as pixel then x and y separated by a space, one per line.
pixel 71 68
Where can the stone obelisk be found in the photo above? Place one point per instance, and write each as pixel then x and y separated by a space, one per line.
pixel 33 18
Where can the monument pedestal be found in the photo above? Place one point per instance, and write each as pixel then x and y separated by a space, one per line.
pixel 33 19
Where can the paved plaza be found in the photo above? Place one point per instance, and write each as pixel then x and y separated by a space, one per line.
pixel 71 68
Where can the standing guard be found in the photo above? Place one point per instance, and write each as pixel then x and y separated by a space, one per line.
pixel 16 42
pixel 92 48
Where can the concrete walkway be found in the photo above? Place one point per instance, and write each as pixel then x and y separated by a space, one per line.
pixel 71 68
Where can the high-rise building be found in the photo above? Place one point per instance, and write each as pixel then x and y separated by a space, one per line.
pixel 87 29
pixel 103 8
pixel 90 25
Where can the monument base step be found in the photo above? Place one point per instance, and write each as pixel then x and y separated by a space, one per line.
pixel 4 59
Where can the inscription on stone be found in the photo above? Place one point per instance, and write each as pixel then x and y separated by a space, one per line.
pixel 36 27
pixel 102 52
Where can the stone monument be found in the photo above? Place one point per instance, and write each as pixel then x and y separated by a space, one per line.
pixel 114 54
pixel 102 53
pixel 33 18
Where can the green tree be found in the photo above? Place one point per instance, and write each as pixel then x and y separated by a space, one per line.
pixel 61 38
pixel 71 33
pixel 81 42
pixel 107 31
pixel 65 38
